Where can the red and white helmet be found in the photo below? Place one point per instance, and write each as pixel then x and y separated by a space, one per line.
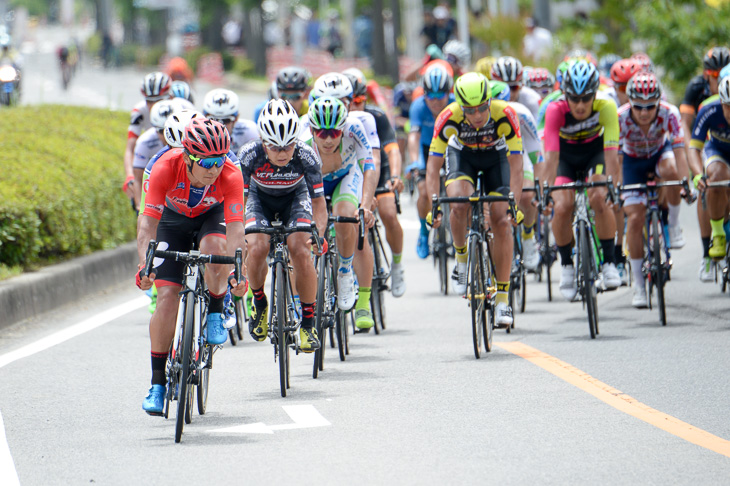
pixel 644 86
pixel 206 138
pixel 156 86
pixel 540 78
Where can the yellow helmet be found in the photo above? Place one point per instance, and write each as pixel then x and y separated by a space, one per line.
pixel 484 66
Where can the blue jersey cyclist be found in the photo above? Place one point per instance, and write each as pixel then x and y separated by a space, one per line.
pixel 282 180
pixel 711 135
pixel 437 84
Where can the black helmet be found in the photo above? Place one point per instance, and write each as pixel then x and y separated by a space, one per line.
pixel 716 58
pixel 359 88
pixel 293 78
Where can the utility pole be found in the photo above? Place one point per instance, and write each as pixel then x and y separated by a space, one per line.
pixel 348 41
pixel 378 54
pixel 413 20
pixel 541 12
pixel 462 21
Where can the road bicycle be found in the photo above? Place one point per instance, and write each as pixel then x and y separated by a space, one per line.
pixel 381 267
pixel 724 276
pixel 190 358
pixel 284 319
pixel 442 247
pixel 657 263
pixel 589 252
pixel 329 318
pixel 481 286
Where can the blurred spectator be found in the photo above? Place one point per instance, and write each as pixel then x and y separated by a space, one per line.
pixel 439 30
pixel 313 27
pixel 298 30
pixel 231 33
pixel 363 31
pixel 538 42
pixel 331 39
pixel 106 49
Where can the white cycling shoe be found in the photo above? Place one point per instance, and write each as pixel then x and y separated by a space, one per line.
pixel 459 276
pixel 567 283
pixel 676 238
pixel 611 277
pixel 346 290
pixel 399 283
pixel 530 255
pixel 503 315
pixel 640 301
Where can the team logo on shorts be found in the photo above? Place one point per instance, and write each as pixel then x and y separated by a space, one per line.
pixel 307 205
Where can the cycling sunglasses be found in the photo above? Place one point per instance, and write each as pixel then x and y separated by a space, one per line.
pixel 209 162
pixel 712 72
pixel 471 110
pixel 577 99
pixel 435 96
pixel 291 96
pixel 359 99
pixel 276 148
pixel 640 107
pixel 515 87
pixel 327 133
pixel 225 120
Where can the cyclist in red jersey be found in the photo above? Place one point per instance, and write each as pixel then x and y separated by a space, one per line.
pixel 195 192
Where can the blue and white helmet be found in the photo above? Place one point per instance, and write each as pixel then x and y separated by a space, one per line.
pixel 181 89
pixel 580 79
pixel 436 80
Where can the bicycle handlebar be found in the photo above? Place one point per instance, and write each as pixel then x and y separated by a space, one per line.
pixel 577 185
pixel 194 258
pixel 684 184
pixel 360 220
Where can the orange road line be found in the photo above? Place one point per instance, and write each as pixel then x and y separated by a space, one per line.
pixel 618 399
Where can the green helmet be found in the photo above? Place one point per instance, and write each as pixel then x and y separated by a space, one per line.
pixel 472 89
pixel 499 90
pixel 327 113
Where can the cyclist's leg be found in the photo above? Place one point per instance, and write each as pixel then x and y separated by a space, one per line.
pixel 564 202
pixel 459 183
pixel 620 218
pixel 423 205
pixel 718 169
pixel 346 196
pixel 636 171
pixel 667 170
pixel 531 257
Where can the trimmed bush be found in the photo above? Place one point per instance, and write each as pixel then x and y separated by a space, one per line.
pixel 60 194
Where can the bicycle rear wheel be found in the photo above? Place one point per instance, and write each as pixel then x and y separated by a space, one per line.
pixel 477 294
pixel 442 258
pixel 658 267
pixel 206 354
pixel 547 256
pixel 588 287
pixel 184 394
pixel 281 334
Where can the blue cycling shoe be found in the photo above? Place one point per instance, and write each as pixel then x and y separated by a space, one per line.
pixel 216 332
pixel 155 400
pixel 422 246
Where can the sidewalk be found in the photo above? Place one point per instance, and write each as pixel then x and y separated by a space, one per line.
pixel 33 293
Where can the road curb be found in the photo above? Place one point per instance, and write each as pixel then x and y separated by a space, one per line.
pixel 34 293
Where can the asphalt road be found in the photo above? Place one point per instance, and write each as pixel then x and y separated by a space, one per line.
pixel 641 404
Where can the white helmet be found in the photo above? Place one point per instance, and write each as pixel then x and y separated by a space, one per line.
pixel 336 85
pixel 220 103
pixel 160 112
pixel 278 123
pixel 724 90
pixel 508 70
pixel 175 126
pixel 183 104
pixel 459 51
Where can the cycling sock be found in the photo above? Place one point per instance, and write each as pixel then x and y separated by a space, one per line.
pixel 259 298
pixel 609 248
pixel 673 215
pixel 528 231
pixel 566 255
pixel 363 300
pixel 396 258
pixel 461 256
pixel 159 361
pixel 706 246
pixel 216 303
pixel 346 263
pixel 424 227
pixel 307 315
pixel 502 293
pixel 717 227
pixel 636 264
pixel 618 254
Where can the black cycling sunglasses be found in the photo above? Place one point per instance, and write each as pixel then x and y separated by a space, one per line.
pixel 470 110
pixel 577 99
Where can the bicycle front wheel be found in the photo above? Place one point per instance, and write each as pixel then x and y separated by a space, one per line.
pixel 477 294
pixel 588 287
pixel 184 396
pixel 320 314
pixel 657 266
pixel 547 256
pixel 281 334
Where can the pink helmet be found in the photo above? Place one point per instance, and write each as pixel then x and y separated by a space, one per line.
pixel 622 70
pixel 644 86
pixel 206 138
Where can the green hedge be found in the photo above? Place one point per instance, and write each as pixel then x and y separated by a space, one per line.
pixel 60 194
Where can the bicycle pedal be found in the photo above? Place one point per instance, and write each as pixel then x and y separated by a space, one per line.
pixel 362 331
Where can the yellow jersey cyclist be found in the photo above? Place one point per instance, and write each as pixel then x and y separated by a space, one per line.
pixel 282 180
pixel 581 136
pixel 473 134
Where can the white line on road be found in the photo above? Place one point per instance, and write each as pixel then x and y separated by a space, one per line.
pixel 8 474
pixel 73 331
pixel 304 417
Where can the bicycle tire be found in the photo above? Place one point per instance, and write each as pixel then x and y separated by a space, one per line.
pixel 488 330
pixel 375 284
pixel 477 294
pixel 548 258
pixel 232 335
pixel 511 303
pixel 339 328
pixel 241 318
pixel 443 260
pixel 523 294
pixel 319 314
pixel 658 267
pixel 587 283
pixel 206 352
pixel 186 360
pixel 281 322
